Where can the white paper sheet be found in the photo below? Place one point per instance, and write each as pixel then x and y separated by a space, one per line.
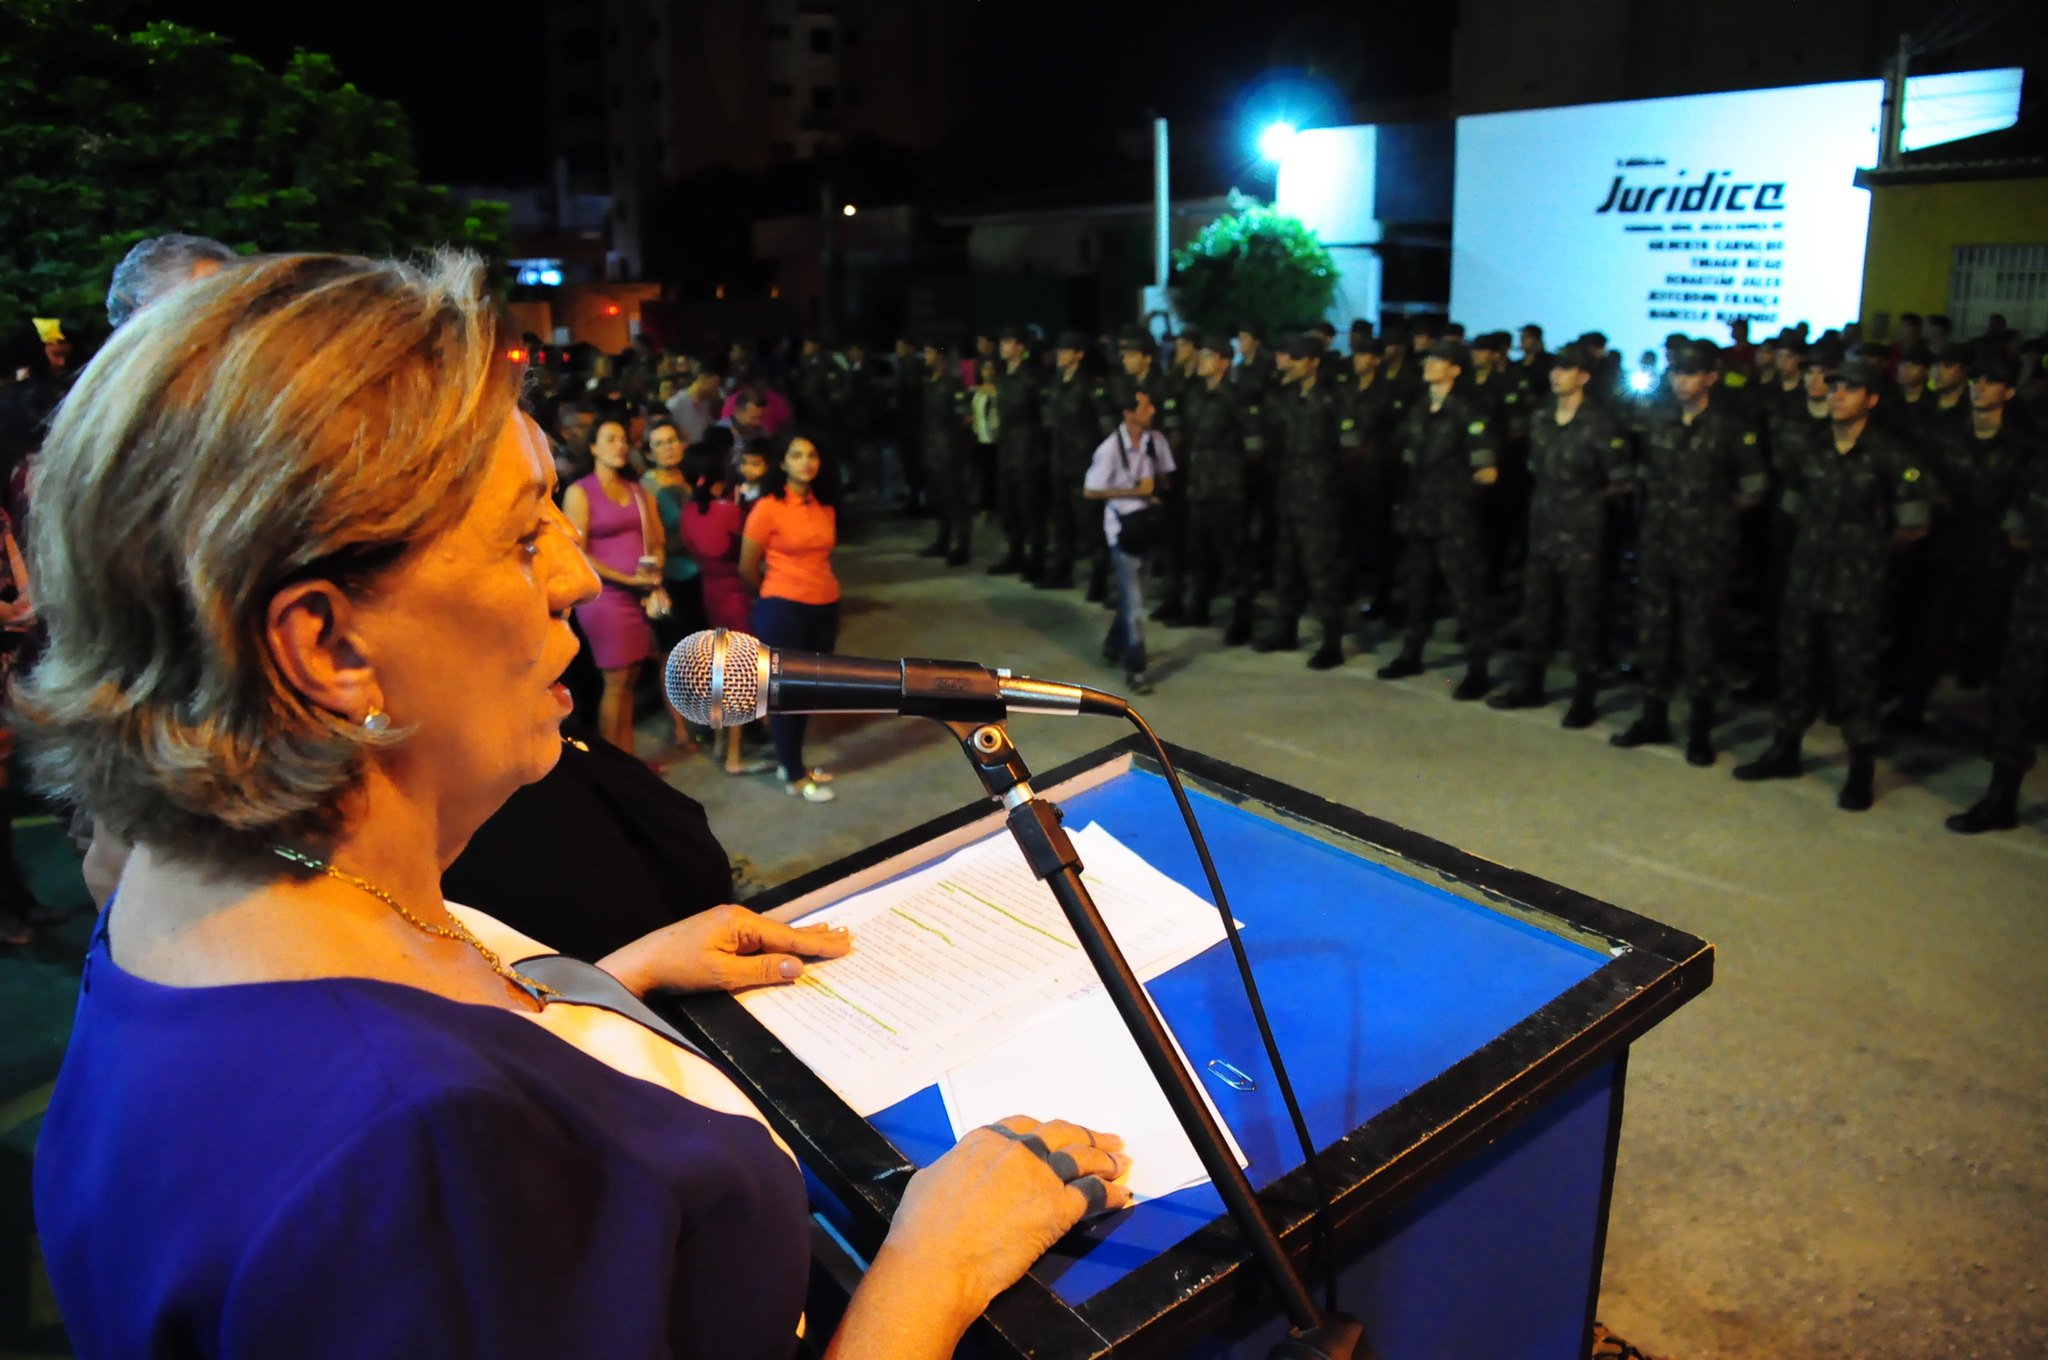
pixel 954 959
pixel 1081 1065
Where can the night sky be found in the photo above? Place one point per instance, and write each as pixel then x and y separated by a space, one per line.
pixel 470 76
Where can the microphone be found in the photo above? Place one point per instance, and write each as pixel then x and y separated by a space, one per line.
pixel 720 678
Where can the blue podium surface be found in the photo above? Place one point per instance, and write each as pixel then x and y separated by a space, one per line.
pixel 1456 1034
pixel 1372 981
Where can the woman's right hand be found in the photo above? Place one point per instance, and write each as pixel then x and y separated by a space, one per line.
pixel 974 1221
pixel 647 580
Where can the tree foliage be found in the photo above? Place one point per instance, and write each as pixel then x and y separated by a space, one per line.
pixel 1253 264
pixel 111 134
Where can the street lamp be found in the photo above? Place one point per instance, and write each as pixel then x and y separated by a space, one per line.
pixel 1275 140
pixel 849 210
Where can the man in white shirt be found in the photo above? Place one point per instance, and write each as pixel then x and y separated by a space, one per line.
pixel 1126 472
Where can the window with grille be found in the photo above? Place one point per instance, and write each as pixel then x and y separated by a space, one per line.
pixel 2009 280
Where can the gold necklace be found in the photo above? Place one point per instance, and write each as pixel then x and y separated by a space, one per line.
pixel 459 932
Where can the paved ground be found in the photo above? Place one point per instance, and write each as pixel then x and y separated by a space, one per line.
pixel 1837 1151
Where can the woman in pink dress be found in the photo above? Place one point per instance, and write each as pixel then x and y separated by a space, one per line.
pixel 622 536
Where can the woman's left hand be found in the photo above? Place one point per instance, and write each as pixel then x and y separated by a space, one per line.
pixel 723 949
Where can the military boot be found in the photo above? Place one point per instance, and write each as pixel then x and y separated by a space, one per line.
pixel 1582 712
pixel 1780 760
pixel 1408 663
pixel 1699 735
pixel 1285 637
pixel 1998 809
pixel 1239 631
pixel 1475 684
pixel 1330 655
pixel 1651 728
pixel 1524 693
pixel 1858 791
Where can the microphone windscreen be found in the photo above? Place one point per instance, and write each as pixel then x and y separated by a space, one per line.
pixel 714 677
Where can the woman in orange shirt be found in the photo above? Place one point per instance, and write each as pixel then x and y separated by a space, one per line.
pixel 786 554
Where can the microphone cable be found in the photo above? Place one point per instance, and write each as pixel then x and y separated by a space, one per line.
pixel 1251 993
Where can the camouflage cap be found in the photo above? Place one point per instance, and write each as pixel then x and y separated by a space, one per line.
pixel 1574 355
pixel 1013 332
pixel 1494 341
pixel 1304 346
pixel 1073 340
pixel 1451 350
pixel 1134 337
pixel 1214 344
pixel 1825 355
pixel 1859 373
pixel 1695 356
pixel 1955 352
pixel 1997 368
pixel 1366 344
pixel 1192 335
pixel 1919 353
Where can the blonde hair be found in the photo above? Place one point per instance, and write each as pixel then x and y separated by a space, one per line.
pixel 300 417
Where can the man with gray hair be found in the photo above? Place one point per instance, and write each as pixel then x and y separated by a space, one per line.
pixel 160 265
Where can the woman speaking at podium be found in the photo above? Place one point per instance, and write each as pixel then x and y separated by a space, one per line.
pixel 308 598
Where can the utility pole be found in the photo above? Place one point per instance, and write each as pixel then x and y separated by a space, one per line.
pixel 1892 125
pixel 1162 206
pixel 1152 300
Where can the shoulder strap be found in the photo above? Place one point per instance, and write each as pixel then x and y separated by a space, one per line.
pixel 644 503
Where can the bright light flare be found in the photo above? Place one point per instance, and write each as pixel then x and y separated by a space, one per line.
pixel 848 211
pixel 1641 382
pixel 1275 140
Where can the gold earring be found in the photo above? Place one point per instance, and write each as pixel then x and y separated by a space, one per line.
pixel 376 722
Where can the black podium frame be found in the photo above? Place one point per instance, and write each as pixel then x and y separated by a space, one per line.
pixel 1208 1280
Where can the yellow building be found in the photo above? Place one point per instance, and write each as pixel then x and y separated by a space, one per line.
pixel 1960 229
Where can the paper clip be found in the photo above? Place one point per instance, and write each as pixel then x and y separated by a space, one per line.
pixel 1230 1076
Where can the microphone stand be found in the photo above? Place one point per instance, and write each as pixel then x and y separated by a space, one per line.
pixel 1035 823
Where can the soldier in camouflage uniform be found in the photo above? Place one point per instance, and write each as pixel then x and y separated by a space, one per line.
pixel 2022 683
pixel 1370 415
pixel 1220 436
pixel 947 451
pixel 1074 406
pixel 1257 376
pixel 1862 495
pixel 1021 462
pixel 1949 402
pixel 1506 405
pixel 819 385
pixel 1449 450
pixel 859 405
pixel 1701 466
pixel 906 409
pixel 1308 547
pixel 1958 612
pixel 1579 457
